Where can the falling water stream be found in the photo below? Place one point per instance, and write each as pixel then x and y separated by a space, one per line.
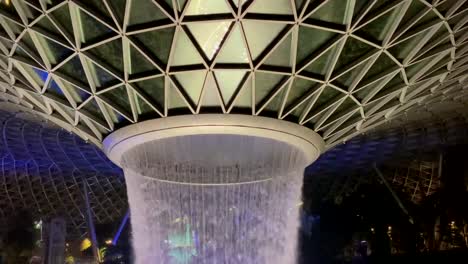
pixel 214 199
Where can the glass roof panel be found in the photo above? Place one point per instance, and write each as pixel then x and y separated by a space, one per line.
pixel 138 63
pixel 277 101
pixel 322 64
pixel 55 52
pixel 352 51
pixel 333 11
pixel 229 81
pixel 210 93
pixel 110 53
pixel 93 111
pixel 91 29
pixel 234 50
pixel 281 56
pixel 153 90
pixel 143 11
pixel 101 77
pixel 209 35
pixel 184 52
pixel 175 100
pixel 74 70
pixel 310 40
pixel 157 43
pixel 260 35
pixel 207 7
pixel 55 92
pixel 300 87
pixel 244 98
pixel 265 84
pixel 118 97
pixel 192 83
pixel 282 7
pixel 62 17
pixel 78 95
pixel 118 8
pixel 378 29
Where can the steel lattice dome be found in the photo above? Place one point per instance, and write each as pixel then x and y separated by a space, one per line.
pixel 335 66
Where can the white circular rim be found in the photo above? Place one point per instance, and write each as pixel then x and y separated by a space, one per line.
pixel 121 140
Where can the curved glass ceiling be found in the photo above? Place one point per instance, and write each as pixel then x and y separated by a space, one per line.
pixel 335 66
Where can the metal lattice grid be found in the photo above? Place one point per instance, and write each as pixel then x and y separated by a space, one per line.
pixel 338 67
pixel 43 169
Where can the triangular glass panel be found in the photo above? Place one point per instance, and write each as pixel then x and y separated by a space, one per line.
pixel 243 100
pixel 39 76
pixel 91 110
pixel 97 7
pixel 326 98
pixel 74 71
pixel 229 82
pixel 191 84
pixel 384 64
pixel 298 111
pixel 55 93
pixel 266 84
pixel 209 35
pixel 61 17
pixel 157 43
pixel 7 44
pixel 403 49
pixel 55 52
pixel 116 114
pixel 378 29
pixel 184 52
pixel 347 79
pixel 300 88
pixel 139 64
pixel 175 101
pixel 334 11
pixel 142 107
pixel 92 29
pixel 392 86
pixel 415 8
pixel 11 26
pixel 260 35
pixel 153 91
pixel 281 56
pixel 27 45
pixel 101 77
pixel 118 98
pixel 359 7
pixel 429 17
pixel 234 50
pixel 46 25
pixel 118 9
pixel 351 121
pixel 211 96
pixel 367 91
pixel 207 7
pixel 346 107
pixel 276 102
pixel 110 53
pixel 321 65
pixel 180 4
pixel 311 40
pixel 352 51
pixel 280 7
pixel 145 12
pixel 77 94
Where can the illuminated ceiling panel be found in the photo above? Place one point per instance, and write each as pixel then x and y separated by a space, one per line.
pixel 337 67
